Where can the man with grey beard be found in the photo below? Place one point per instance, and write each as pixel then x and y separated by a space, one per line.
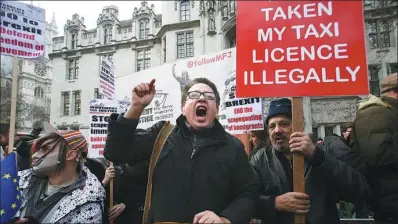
pixel 327 179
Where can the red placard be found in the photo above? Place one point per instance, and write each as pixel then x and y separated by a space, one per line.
pixel 300 48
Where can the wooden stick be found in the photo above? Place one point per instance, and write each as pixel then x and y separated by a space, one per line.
pixel 298 159
pixel 14 93
pixel 111 194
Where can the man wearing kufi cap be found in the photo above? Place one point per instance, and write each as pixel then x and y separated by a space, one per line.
pixel 374 136
pixel 59 188
pixel 327 179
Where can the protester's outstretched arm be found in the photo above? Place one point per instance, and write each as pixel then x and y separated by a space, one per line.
pixel 126 144
pixel 348 183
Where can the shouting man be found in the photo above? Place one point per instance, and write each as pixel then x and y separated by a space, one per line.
pixel 327 179
pixel 203 174
pixel 59 188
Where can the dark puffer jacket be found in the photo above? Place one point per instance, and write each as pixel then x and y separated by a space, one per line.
pixel 196 171
pixel 328 180
pixel 374 136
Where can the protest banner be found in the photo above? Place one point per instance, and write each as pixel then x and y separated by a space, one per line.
pixel 237 115
pixel 22 35
pixel 100 110
pixel 107 78
pixel 301 48
pixel 22 30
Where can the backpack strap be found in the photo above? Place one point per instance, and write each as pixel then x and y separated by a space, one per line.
pixel 157 148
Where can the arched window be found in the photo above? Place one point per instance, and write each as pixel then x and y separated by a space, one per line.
pixel 144 28
pixel 107 34
pixel 185 13
pixel 39 92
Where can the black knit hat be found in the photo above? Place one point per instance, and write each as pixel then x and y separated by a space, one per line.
pixel 279 107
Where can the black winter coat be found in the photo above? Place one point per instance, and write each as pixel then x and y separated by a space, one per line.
pixel 207 170
pixel 328 180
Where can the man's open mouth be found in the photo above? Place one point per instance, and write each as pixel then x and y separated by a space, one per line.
pixel 201 111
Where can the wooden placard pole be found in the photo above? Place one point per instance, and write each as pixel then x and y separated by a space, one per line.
pixel 298 159
pixel 13 112
pixel 111 194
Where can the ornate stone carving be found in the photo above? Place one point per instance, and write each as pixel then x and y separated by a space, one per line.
pixel 202 9
pixel 232 7
pixel 125 33
pixel 90 39
pixel 381 53
pixel 224 11
pixel 109 14
pixel 211 5
pixel 333 110
pixel 211 27
pixel 40 69
pixel 193 4
pixel 76 23
pixel 158 24
pixel 144 10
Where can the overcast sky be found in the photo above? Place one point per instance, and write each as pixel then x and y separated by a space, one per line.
pixel 88 9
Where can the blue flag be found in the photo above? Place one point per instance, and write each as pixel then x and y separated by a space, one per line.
pixel 10 194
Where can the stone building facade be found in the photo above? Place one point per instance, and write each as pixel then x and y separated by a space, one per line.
pixel 34 85
pixel 183 29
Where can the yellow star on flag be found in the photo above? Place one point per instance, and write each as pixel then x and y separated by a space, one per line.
pixel 2 212
pixel 18 197
pixel 13 206
pixel 14 180
pixel 17 188
pixel 6 176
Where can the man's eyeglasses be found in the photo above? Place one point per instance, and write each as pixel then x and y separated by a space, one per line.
pixel 196 95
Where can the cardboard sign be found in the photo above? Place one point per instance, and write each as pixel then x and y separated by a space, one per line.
pixel 301 48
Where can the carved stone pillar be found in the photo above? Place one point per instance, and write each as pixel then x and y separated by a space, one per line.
pixel 220 42
pixel 151 27
pixel 337 130
pixel 97 42
pixel 321 131
pixel 134 29
pixel 134 56
pixel 80 38
pixel 113 33
pixel 134 60
pixel 66 39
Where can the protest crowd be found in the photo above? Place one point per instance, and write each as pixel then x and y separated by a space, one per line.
pixel 203 174
pixel 187 139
